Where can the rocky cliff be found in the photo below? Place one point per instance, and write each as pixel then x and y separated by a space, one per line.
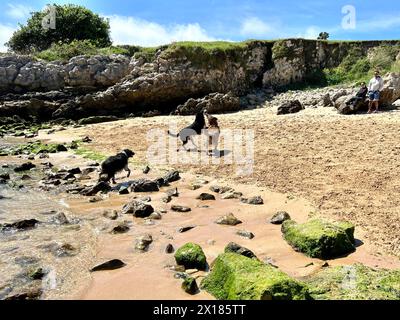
pixel 117 85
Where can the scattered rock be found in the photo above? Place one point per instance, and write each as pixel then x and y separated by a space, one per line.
pixel 109 265
pixel 166 199
pixel 144 185
pixel 145 199
pixel 235 248
pixel 155 216
pixel 95 199
pixel 75 171
pixel 319 238
pixel 87 171
pixel 280 217
pixel 110 214
pixel 146 170
pixel 33 294
pixel 97 119
pixel 232 195
pixel 26 177
pixel 195 186
pixel 270 262
pixel 172 176
pixel 60 219
pixel 143 242
pixel 237 277
pixel 25 167
pixel 185 229
pixel 169 249
pixel 122 227
pixel 99 187
pixel 221 190
pixel 290 107
pixel 173 192
pixel 139 209
pixel 5 176
pixel 245 234
pixel 86 139
pixel 254 200
pixel 123 190
pixel 339 94
pixel 20 225
pixel 229 220
pixel 205 196
pixel 189 285
pixel 36 273
pixel 214 103
pixel 177 208
pixel 63 250
pixel 326 100
pixel 191 256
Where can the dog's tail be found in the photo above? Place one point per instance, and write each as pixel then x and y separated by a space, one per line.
pixel 173 135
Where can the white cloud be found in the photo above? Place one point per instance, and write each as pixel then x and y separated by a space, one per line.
pixel 378 24
pixel 18 11
pixel 311 32
pixel 254 26
pixel 6 32
pixel 131 30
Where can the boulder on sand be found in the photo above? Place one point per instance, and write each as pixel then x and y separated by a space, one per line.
pixel 236 277
pixel 139 209
pixel 290 107
pixel 389 94
pixel 319 238
pixel 191 256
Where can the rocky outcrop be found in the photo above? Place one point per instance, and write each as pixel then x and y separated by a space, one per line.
pixel 213 103
pixel 389 94
pixel 24 73
pixel 177 77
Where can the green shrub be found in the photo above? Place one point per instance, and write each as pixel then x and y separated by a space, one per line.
pixel 281 50
pixel 65 51
pixel 148 54
pixel 72 23
pixel 382 58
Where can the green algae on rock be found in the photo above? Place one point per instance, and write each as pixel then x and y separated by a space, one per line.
pixel 319 238
pixel 355 282
pixel 236 277
pixel 191 256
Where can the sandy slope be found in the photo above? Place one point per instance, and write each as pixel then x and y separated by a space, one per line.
pixel 347 166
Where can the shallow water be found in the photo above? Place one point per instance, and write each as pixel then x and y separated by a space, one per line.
pixel 24 251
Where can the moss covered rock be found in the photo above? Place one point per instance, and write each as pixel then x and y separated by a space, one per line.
pixel 318 238
pixel 355 282
pixel 236 277
pixel 191 256
pixel 189 285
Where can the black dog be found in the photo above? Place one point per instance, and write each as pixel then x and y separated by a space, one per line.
pixel 115 164
pixel 194 129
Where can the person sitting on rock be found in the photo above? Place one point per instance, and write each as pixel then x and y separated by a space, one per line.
pixel 375 87
pixel 360 96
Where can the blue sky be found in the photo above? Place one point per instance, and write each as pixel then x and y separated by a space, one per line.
pixel 155 22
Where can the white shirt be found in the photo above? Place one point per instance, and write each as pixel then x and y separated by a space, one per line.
pixel 376 84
